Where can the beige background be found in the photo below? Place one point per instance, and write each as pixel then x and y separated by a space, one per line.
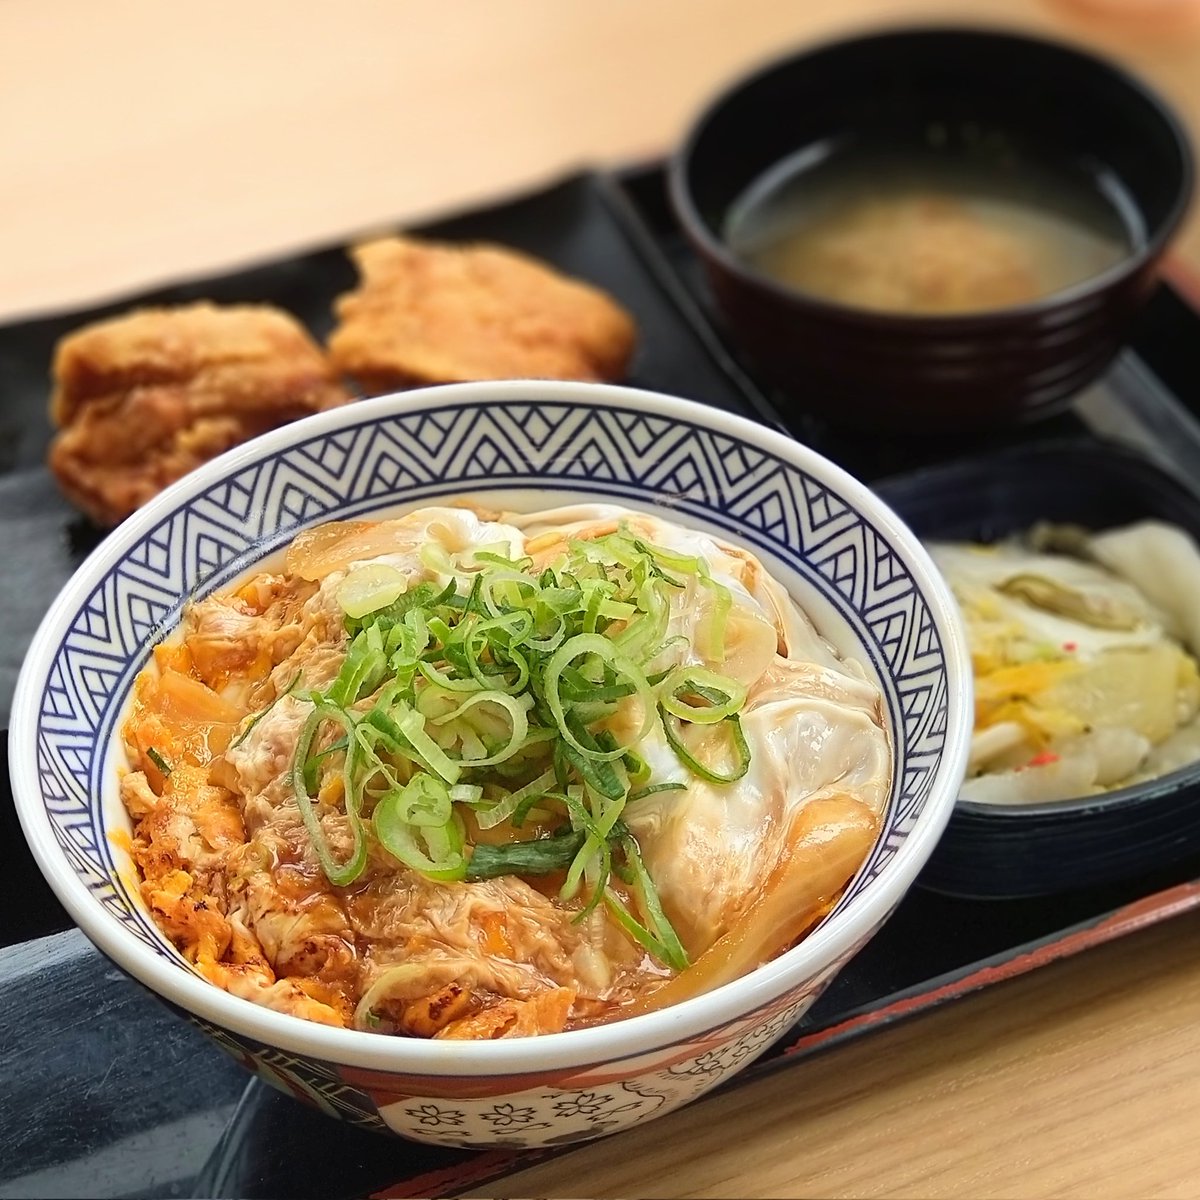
pixel 141 140
pixel 144 138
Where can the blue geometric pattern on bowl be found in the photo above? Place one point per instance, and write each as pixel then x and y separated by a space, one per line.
pixel 424 453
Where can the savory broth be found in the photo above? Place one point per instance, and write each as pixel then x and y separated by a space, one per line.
pixel 924 233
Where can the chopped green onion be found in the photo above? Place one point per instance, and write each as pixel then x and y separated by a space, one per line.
pixel 516 714
pixel 254 720
pixel 412 725
pixel 313 765
pixel 368 588
pixel 603 649
pixel 157 759
pixel 489 818
pixel 362 670
pixel 654 789
pixel 531 801
pixel 635 929
pixel 338 873
pixel 474 601
pixel 674 954
pixel 512 581
pixel 498 556
pixel 424 595
pixel 741 766
pixel 509 626
pixel 406 822
pixel 517 680
pixel 715 627
pixel 722 596
pixel 723 696
pixel 597 772
pixel 576 689
pixel 443 680
pixel 650 552
pixel 634 764
pixel 597 870
pixel 436 558
pixel 639 637
pixel 424 800
pixel 540 856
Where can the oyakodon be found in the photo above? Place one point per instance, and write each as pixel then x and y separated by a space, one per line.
pixel 472 775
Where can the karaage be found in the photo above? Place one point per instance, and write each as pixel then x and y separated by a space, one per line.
pixel 143 399
pixel 429 312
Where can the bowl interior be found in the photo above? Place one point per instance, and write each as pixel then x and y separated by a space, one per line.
pixel 866 581
pixel 995 101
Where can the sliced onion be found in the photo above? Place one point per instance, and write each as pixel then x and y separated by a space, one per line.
pixel 412 725
pixel 388 982
pixel 489 818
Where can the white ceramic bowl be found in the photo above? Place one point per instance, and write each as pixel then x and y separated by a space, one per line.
pixel 850 561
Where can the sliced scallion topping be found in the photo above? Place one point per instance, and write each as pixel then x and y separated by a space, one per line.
pixel 258 716
pixel 673 953
pixel 654 789
pixel 516 714
pixel 637 931
pixel 741 751
pixel 510 693
pixel 540 856
pixel 718 696
pixel 369 588
pixel 417 824
pixel 607 653
pixel 339 873
pixel 161 763
pixel 363 668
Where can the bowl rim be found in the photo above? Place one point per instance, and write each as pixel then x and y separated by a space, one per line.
pixel 610 1043
pixel 712 248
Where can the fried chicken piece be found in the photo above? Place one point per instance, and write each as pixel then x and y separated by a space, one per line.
pixel 429 312
pixel 143 399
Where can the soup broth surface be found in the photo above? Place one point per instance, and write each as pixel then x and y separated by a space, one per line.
pixel 929 234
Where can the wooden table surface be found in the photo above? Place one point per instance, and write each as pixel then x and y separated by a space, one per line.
pixel 141 141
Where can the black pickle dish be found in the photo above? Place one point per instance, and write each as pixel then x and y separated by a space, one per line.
pixel 995 851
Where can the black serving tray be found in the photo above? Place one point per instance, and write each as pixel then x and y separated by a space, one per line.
pixel 103 1092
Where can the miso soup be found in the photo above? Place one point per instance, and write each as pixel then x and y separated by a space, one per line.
pixel 926 233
